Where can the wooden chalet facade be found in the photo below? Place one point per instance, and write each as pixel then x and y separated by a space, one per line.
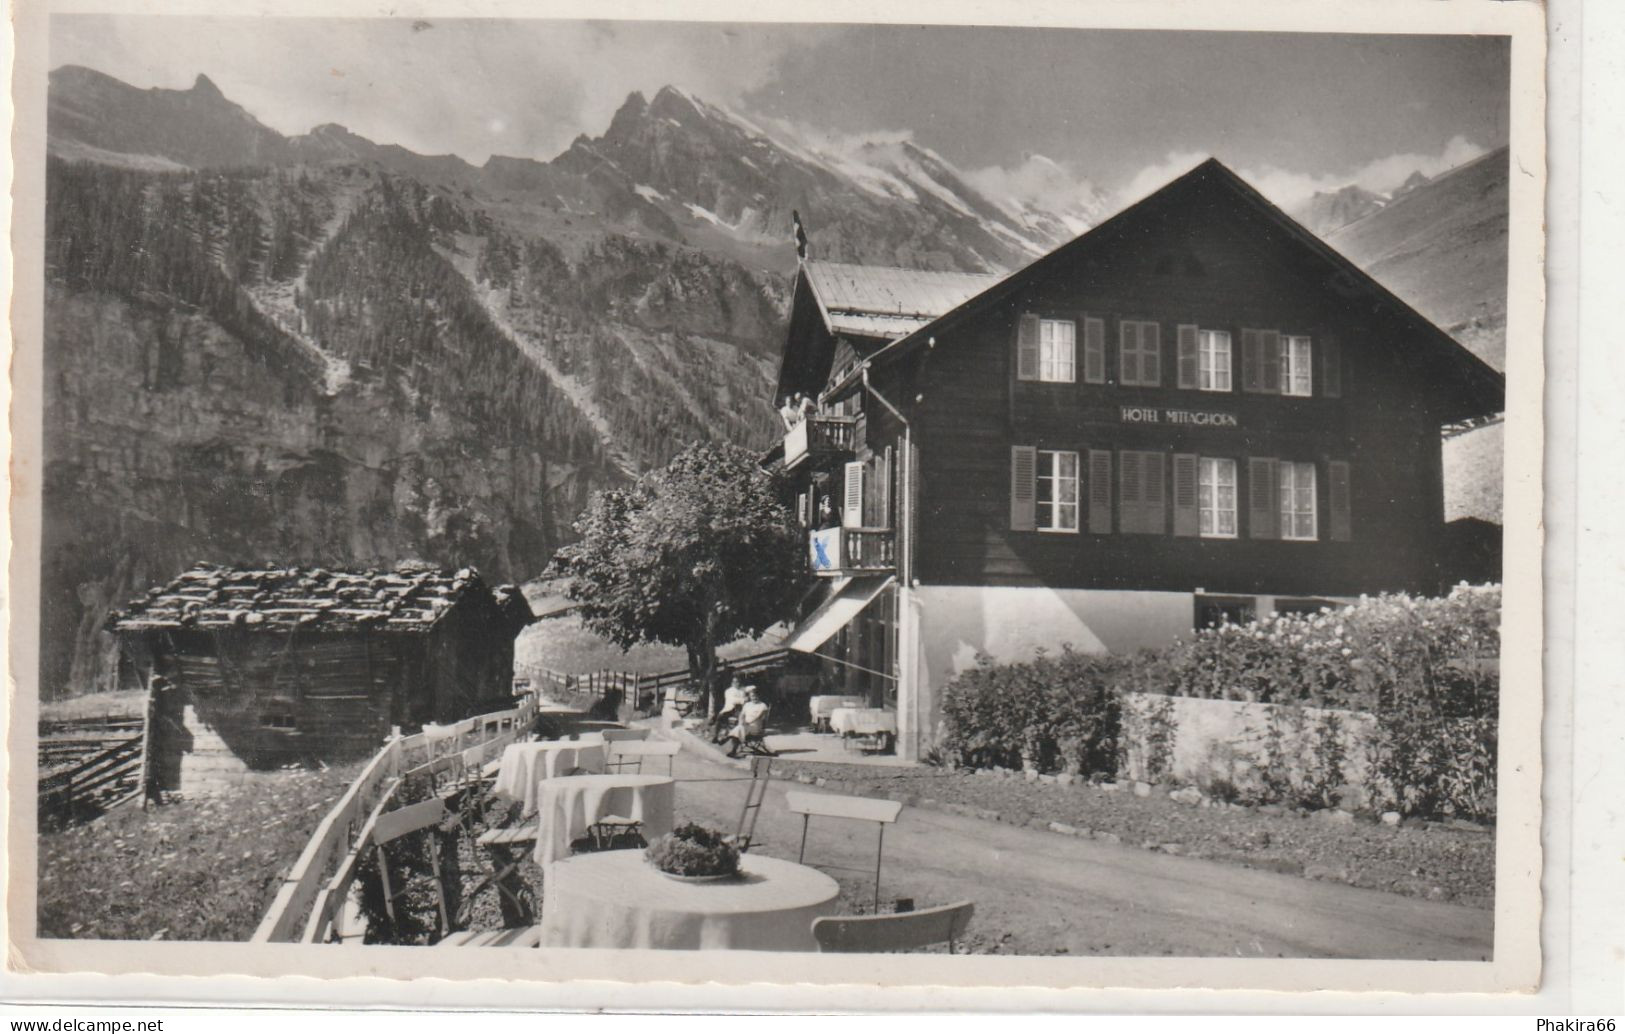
pixel 1195 411
pixel 266 666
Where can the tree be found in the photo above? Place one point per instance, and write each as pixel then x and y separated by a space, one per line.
pixel 695 554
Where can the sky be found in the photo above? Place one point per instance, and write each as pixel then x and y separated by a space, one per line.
pixel 1118 111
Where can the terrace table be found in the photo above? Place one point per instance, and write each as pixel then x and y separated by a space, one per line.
pixel 569 806
pixel 526 766
pixel 863 721
pixel 820 707
pixel 615 899
pixel 875 725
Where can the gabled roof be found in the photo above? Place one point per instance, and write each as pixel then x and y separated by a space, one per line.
pixel 270 598
pixel 1482 388
pixel 884 301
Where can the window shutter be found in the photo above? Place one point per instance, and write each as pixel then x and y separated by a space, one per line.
pixel 1128 352
pixel 1151 353
pixel 883 485
pixel 1186 518
pixel 1130 492
pixel 852 500
pixel 804 508
pixel 1264 505
pixel 1155 520
pixel 1027 348
pixel 1251 369
pixel 1189 370
pixel 1338 500
pixel 1269 361
pixel 1100 492
pixel 1331 368
pixel 1094 350
pixel 1023 487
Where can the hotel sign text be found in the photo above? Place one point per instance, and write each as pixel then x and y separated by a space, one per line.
pixel 1191 417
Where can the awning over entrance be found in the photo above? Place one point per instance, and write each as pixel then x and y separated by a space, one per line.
pixel 846 599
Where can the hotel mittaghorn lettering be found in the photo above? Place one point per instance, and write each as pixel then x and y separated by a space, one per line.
pixel 1196 418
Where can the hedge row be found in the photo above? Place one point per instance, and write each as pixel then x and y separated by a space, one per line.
pixel 1424 668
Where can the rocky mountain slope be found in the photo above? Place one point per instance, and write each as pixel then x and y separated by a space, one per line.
pixel 323 349
pixel 1442 246
pixel 1328 210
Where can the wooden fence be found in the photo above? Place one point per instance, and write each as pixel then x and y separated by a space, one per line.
pixel 314 893
pixel 101 773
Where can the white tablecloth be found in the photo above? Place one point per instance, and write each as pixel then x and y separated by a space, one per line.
pixel 863 721
pixel 525 766
pixel 616 899
pixel 819 707
pixel 569 806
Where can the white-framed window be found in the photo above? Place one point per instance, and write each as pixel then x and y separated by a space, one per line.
pixel 1216 498
pixel 1057 351
pixel 1298 501
pixel 1213 358
pixel 1295 357
pixel 1057 484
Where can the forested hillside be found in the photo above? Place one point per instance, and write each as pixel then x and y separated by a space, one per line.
pixel 318 365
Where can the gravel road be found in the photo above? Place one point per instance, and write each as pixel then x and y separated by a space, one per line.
pixel 1038 893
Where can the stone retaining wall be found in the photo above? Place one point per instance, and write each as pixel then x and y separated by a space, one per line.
pixel 1207 740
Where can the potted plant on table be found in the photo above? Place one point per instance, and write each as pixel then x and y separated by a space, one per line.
pixel 694 854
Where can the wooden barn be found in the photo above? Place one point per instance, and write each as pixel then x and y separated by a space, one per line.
pixel 1196 411
pixel 259 667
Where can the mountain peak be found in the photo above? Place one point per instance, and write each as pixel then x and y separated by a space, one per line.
pixel 632 112
pixel 203 86
pixel 673 101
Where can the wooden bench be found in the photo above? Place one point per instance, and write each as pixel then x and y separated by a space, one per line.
pixel 509 836
pixel 513 937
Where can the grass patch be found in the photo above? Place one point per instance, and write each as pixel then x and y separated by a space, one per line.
pixel 204 869
pixel 565 644
pixel 127 703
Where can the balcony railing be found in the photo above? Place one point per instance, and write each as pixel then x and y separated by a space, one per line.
pixel 835 552
pixel 818 436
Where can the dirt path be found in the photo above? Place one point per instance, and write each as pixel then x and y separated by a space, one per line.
pixel 1039 893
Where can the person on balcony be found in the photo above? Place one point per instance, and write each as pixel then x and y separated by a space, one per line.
pixel 807 406
pixel 790 412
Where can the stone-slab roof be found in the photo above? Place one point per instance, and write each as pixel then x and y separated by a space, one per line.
pixel 411 598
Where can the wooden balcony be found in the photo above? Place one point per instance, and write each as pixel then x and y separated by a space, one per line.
pixel 841 552
pixel 819 438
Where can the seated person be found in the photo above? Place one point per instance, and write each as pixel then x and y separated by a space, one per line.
pixel 733 699
pixel 752 721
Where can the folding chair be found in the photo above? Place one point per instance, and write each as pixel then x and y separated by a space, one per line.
pixel 865 809
pixel 628 755
pixel 391 826
pixel 896 932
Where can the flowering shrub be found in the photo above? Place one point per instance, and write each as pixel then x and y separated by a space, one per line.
pixel 1055 708
pixel 1425 669
pixel 1365 657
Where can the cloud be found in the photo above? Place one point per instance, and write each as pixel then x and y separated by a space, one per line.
pixel 1038 182
pixel 1291 188
pixel 474 87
